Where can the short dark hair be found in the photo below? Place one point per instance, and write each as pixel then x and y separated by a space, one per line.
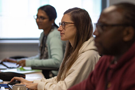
pixel 128 12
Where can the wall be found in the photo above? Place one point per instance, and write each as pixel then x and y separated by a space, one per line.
pixel 21 49
pixel 117 1
pixel 30 49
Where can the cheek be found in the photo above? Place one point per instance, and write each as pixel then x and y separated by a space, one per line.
pixel 110 43
pixel 103 42
pixel 45 23
pixel 107 42
pixel 70 33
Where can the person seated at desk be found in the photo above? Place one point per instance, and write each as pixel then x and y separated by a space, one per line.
pixel 80 56
pixel 115 40
pixel 51 47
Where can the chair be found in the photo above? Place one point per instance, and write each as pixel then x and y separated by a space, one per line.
pixel 17 57
pixel 46 71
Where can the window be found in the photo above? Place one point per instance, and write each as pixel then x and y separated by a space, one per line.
pixel 16 16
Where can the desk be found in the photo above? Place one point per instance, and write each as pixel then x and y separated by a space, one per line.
pixel 34 76
pixel 28 71
pixel 30 75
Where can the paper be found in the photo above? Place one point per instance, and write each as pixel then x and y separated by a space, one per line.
pixel 21 70
pixel 2 88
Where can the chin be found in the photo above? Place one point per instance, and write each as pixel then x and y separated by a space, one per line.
pixel 40 28
pixel 100 52
pixel 63 39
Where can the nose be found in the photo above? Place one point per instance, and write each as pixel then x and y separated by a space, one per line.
pixel 37 20
pixel 96 33
pixel 60 28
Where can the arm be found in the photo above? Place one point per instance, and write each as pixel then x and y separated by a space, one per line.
pixel 78 72
pixel 84 85
pixel 55 53
pixel 89 83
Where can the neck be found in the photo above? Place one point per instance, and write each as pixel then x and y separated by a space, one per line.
pixel 47 30
pixel 122 51
pixel 71 42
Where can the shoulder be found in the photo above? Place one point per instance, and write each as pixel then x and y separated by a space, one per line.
pixel 54 33
pixel 90 55
pixel 41 36
pixel 103 62
pixel 90 52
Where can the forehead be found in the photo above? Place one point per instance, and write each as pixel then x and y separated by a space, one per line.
pixel 66 18
pixel 41 13
pixel 111 15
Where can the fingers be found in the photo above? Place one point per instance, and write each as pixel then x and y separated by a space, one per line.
pixel 21 63
pixel 22 80
pixel 5 60
pixel 16 78
pixel 9 60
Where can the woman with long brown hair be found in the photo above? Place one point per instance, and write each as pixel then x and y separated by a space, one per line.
pixel 80 57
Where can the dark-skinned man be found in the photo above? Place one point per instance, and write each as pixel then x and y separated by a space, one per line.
pixel 115 40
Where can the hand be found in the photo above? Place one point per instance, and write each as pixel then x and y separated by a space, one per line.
pixel 22 80
pixel 9 60
pixel 22 63
pixel 31 86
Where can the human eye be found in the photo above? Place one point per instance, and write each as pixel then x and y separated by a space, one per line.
pixel 41 17
pixel 99 26
pixel 63 23
pixel 104 27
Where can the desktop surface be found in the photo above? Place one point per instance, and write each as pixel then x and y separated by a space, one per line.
pixel 30 74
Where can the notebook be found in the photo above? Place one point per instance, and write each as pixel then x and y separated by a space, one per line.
pixel 13 67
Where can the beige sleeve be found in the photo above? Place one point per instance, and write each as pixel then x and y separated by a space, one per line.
pixel 78 72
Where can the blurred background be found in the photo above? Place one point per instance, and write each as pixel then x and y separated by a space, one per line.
pixel 19 33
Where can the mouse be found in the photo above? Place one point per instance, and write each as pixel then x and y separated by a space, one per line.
pixel 14 82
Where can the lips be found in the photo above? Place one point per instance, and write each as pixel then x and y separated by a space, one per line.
pixel 61 34
pixel 97 44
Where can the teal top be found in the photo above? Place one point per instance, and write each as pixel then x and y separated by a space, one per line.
pixel 55 47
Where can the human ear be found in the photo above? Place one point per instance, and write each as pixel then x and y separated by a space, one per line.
pixel 52 21
pixel 128 34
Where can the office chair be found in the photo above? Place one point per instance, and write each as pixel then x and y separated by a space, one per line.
pixel 17 57
pixel 46 71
